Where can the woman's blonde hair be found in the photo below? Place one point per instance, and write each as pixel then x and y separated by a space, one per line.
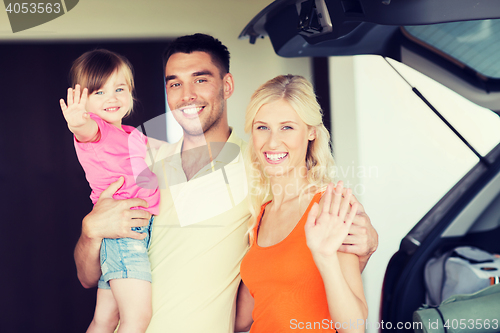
pixel 299 93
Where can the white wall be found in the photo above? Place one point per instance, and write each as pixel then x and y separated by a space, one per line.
pixel 398 156
pixel 251 65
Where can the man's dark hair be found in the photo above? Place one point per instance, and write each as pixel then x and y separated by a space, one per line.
pixel 200 43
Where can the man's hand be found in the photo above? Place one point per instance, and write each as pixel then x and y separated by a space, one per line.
pixel 109 218
pixel 362 239
pixel 112 218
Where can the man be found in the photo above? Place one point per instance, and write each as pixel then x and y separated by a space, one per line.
pixel 199 237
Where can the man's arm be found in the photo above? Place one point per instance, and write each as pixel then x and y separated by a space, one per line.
pixel 362 239
pixel 244 308
pixel 87 260
pixel 109 218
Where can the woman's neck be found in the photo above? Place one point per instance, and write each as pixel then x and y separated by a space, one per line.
pixel 287 188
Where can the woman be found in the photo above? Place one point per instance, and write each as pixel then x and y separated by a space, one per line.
pixel 293 276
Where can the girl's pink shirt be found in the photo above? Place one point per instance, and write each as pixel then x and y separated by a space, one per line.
pixel 119 153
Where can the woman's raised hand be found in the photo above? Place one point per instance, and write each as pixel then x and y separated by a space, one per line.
pixel 326 232
pixel 75 112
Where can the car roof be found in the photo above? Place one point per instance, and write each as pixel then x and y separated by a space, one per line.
pixel 455 42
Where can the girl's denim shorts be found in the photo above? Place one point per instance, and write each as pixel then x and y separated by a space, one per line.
pixel 125 258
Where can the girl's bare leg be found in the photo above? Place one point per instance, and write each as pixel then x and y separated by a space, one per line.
pixel 106 313
pixel 134 304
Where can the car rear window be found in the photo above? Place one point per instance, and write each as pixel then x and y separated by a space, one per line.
pixel 472 43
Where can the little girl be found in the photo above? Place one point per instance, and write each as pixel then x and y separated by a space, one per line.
pixel 108 150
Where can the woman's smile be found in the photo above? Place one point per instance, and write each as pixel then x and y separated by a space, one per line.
pixel 281 136
pixel 275 158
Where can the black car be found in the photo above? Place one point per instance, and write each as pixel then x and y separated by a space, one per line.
pixel 427 35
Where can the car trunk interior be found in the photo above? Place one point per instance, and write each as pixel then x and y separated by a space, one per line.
pixel 469 214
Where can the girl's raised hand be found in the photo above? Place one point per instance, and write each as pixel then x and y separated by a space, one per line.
pixel 326 232
pixel 75 112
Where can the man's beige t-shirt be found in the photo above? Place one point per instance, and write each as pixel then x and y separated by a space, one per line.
pixel 198 241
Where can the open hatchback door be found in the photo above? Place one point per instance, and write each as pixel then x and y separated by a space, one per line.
pixel 454 42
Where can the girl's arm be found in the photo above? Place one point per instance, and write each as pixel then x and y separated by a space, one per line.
pixel 78 119
pixel 340 272
pixel 244 308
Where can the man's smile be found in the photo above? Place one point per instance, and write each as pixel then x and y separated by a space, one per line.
pixel 191 110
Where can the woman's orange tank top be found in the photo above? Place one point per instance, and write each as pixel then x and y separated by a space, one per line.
pixel 285 283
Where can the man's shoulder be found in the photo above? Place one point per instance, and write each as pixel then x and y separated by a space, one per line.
pixel 165 150
pixel 234 138
pixel 168 147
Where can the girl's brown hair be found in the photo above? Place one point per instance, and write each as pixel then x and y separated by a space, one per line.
pixel 93 68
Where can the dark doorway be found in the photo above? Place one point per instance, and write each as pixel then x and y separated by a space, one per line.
pixel 44 191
